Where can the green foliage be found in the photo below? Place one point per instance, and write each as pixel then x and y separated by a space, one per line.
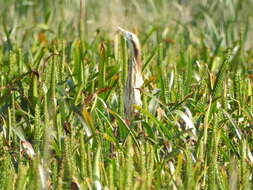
pixel 63 70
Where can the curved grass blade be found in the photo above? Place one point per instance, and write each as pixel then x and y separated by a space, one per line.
pixel 126 126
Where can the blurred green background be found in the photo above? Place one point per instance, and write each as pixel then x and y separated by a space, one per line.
pixel 212 20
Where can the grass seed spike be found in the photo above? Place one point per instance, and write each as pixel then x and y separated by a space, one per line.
pixel 134 77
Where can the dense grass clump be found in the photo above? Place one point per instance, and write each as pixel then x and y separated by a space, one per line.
pixel 63 72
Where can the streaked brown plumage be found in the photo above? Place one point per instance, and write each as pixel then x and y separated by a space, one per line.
pixel 134 78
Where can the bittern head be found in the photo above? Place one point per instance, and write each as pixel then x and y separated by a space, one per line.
pixel 132 40
pixel 128 35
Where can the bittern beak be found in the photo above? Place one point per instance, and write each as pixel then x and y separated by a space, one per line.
pixel 125 33
pixel 121 30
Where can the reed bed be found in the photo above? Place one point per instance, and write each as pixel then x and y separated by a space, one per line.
pixel 63 72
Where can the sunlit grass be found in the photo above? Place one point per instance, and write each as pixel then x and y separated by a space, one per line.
pixel 62 79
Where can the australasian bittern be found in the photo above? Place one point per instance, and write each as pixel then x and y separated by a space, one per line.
pixel 134 77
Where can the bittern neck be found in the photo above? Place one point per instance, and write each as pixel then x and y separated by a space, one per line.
pixel 137 54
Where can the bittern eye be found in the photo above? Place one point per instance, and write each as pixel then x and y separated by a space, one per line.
pixel 129 35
